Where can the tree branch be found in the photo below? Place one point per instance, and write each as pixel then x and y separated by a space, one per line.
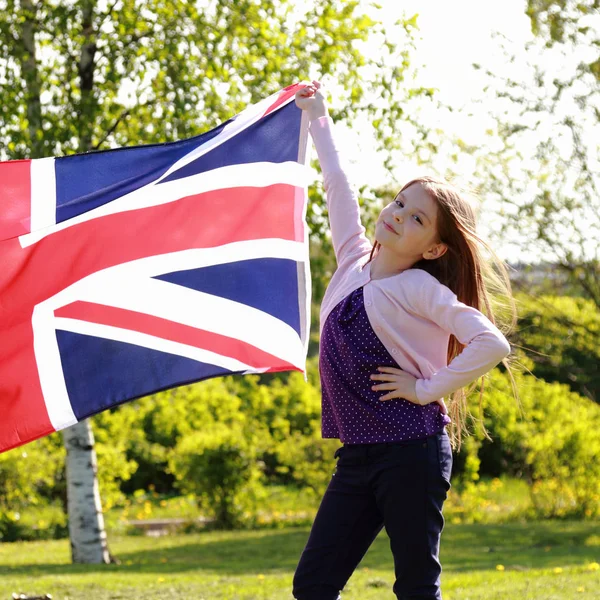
pixel 122 116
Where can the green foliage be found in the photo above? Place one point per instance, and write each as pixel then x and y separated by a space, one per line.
pixel 28 472
pixel 29 476
pixel 552 440
pixel 560 335
pixel 34 474
pixel 560 21
pixel 305 460
pixel 289 409
pixel 240 429
pixel 87 76
pixel 467 463
pixel 17 526
pixel 498 500
pixel 158 422
pixel 218 464
pixel 111 432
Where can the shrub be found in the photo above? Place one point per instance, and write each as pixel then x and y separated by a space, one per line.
pixel 563 334
pixel 219 466
pixel 552 440
pixel 29 474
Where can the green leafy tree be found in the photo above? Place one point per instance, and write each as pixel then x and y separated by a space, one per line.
pixel 543 169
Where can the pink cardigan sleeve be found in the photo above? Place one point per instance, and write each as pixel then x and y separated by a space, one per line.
pixel 485 346
pixel 347 232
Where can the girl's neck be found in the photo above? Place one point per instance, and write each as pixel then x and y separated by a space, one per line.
pixel 386 264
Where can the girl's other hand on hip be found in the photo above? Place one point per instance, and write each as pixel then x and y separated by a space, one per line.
pixel 401 384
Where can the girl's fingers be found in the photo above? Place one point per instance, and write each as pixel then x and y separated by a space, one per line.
pixel 384 386
pixel 390 370
pixel 389 377
pixel 390 396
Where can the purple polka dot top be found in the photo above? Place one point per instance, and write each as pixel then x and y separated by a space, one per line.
pixel 350 353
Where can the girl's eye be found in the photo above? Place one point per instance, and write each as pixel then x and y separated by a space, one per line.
pixel 399 203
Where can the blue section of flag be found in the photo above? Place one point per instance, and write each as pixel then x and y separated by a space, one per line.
pixel 272 139
pixel 101 373
pixel 246 282
pixel 86 181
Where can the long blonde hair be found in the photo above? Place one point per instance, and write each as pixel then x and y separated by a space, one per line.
pixel 471 275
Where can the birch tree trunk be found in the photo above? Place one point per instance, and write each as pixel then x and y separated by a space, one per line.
pixel 86 522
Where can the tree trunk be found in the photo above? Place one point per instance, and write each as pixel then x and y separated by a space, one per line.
pixel 86 522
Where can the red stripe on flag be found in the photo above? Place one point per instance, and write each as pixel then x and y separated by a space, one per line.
pixel 284 94
pixel 15 198
pixel 202 221
pixel 23 414
pixel 175 332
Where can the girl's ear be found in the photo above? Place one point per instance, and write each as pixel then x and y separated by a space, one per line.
pixel 435 251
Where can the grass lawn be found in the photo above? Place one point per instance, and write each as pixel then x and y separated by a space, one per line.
pixel 541 561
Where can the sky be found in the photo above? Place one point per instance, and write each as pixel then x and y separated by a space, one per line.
pixel 452 36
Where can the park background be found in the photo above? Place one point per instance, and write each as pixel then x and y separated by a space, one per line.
pixel 500 96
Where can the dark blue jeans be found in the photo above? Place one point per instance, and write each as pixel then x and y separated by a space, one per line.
pixel 399 485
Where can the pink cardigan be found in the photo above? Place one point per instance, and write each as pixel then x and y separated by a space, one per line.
pixel 412 313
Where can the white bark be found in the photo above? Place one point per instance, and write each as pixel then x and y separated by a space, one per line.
pixel 86 522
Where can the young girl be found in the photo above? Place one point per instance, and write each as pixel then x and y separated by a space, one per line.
pixel 400 330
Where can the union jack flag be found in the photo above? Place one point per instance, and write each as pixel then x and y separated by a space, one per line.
pixel 129 271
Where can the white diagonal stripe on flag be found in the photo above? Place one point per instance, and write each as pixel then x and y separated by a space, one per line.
pixel 50 371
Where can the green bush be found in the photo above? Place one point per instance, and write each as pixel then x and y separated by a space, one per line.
pixel 180 432
pixel 306 460
pixel 552 440
pixel 13 527
pixel 28 472
pixel 224 439
pixel 219 466
pixel 562 332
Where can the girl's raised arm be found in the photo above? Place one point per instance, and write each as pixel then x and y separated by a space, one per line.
pixel 347 232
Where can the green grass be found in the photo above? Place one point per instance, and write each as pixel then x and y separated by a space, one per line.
pixel 541 561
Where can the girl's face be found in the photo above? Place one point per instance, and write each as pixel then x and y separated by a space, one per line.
pixel 408 225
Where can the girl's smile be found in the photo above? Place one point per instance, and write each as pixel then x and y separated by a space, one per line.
pixel 407 232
